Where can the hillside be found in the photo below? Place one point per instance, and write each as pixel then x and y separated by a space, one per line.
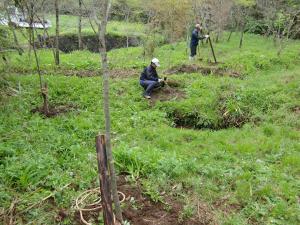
pixel 223 140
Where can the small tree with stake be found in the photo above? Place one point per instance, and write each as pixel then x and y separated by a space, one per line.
pixel 101 12
pixel 29 7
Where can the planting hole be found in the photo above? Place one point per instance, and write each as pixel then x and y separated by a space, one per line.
pixel 167 93
pixel 54 110
pixel 196 121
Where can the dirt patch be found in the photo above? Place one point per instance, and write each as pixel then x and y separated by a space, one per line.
pixel 54 110
pixel 114 73
pixel 226 206
pixel 124 73
pixel 146 212
pixel 140 210
pixel 205 70
pixel 167 93
pixel 296 110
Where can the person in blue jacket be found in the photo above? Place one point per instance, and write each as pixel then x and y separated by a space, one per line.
pixel 149 79
pixel 196 36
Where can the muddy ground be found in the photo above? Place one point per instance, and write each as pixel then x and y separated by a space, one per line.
pixel 54 110
pixel 141 210
pixel 167 93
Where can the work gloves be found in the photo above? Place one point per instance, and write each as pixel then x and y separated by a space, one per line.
pixel 162 80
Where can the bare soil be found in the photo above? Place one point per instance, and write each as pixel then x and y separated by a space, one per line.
pixel 140 210
pixel 296 110
pixel 204 70
pixel 114 73
pixel 226 206
pixel 54 110
pixel 167 93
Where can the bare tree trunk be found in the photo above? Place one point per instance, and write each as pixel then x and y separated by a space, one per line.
pixel 286 32
pixel 242 36
pixel 57 33
pixel 127 36
pixel 229 37
pixel 241 39
pixel 47 36
pixel 13 31
pixel 80 45
pixel 217 37
pixel 29 43
pixel 44 91
pixel 104 10
pixel 90 21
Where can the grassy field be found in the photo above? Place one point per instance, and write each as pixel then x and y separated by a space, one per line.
pixel 245 175
pixel 69 25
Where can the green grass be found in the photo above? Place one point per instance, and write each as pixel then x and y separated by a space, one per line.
pixel 257 54
pixel 69 25
pixel 255 168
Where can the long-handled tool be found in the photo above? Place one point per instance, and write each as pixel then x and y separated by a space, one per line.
pixel 212 49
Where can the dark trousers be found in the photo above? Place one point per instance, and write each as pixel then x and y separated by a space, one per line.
pixel 149 85
pixel 193 50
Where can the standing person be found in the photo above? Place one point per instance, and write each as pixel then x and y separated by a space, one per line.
pixel 196 36
pixel 149 79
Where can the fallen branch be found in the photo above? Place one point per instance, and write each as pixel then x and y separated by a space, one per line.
pixel 11 211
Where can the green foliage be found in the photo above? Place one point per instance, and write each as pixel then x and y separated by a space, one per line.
pixel 6 39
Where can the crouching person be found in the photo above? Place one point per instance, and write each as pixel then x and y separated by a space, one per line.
pixel 149 79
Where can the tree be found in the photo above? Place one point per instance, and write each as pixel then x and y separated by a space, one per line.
pixel 101 18
pixel 221 15
pixel 30 6
pixel 56 5
pixel 80 44
pixel 281 20
pixel 240 11
pixel 167 14
pixel 12 26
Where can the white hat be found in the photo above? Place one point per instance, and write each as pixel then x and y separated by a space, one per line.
pixel 156 62
pixel 198 26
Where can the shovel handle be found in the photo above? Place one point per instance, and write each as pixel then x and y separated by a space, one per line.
pixel 212 50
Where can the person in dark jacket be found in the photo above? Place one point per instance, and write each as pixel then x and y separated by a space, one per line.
pixel 196 36
pixel 149 79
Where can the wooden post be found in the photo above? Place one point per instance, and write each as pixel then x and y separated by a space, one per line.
pixel 212 49
pixel 106 202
